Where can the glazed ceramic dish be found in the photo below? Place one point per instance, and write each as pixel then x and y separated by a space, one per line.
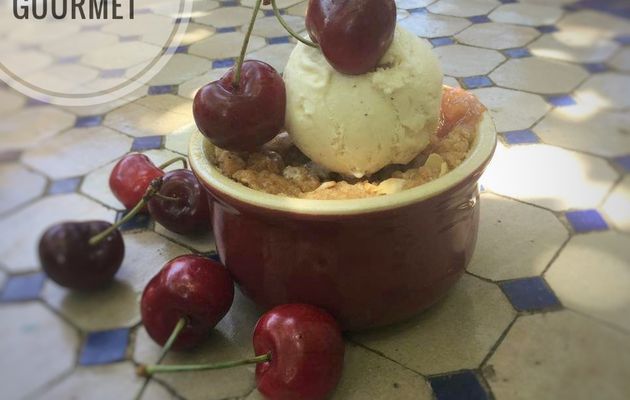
pixel 370 262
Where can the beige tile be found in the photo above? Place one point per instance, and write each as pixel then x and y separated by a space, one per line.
pixel 461 61
pixel 560 355
pixel 515 240
pixel 112 307
pixel 180 68
pixel 151 115
pixel 468 8
pixel 195 33
pixel 24 62
pixel 574 45
pixel 617 205
pixel 121 55
pixel 10 102
pixel 570 127
pixel 510 109
pixel 450 81
pixel 401 14
pixel 144 25
pixel 592 276
pixel 549 2
pixel 77 152
pixel 101 109
pixel 409 4
pixel 280 3
pixel 102 382
pixel 202 243
pixel 225 45
pixel 189 89
pixel 29 126
pixel 49 342
pixel 81 44
pixel 96 183
pixel 44 32
pixel 605 24
pixel 18 249
pixel 431 25
pixel 558 179
pixel 227 16
pixel 538 75
pixel 456 333
pixel 276 55
pixel 270 27
pixel 526 14
pixel 299 10
pixel 621 60
pixel 608 90
pixel 495 35
pixel 3 278
pixel 178 140
pixel 18 185
pixel 63 78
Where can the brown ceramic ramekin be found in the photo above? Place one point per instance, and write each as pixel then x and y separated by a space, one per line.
pixel 370 262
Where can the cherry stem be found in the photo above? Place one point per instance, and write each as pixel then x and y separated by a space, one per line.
pixel 286 26
pixel 148 370
pixel 173 161
pixel 153 188
pixel 181 324
pixel 241 57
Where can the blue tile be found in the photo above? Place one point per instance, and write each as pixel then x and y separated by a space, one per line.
pixel 482 188
pixel 88 121
pixel 147 143
pixel 178 50
pixel 68 60
pixel 180 20
pixel 619 8
pixel 595 68
pixel 138 222
pixel 623 39
pixel 441 41
pixel 462 385
pixel 91 27
pixel 561 100
pixel 10 155
pixel 521 137
pixel 530 294
pixel 507 1
pixel 269 13
pixel 143 11
pixel 104 347
pixel 23 287
pixel 130 38
pixel 226 29
pixel 162 89
pixel 278 40
pixel 68 185
pixel 225 63
pixel 479 19
pixel 624 162
pixel 229 3
pixel 112 73
pixel 586 221
pixel 547 28
pixel 419 10
pixel 473 82
pixel 31 102
pixel 519 52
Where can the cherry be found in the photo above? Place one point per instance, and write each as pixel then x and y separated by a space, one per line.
pixel 352 34
pixel 245 116
pixel 70 259
pixel 181 203
pixel 131 176
pixel 300 354
pixel 190 288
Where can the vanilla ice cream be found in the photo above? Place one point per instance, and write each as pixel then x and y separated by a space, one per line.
pixel 357 124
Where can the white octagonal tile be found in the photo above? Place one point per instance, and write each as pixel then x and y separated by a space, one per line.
pixel 77 151
pixel 560 355
pixel 617 205
pixel 603 23
pixel 603 133
pixel 202 243
pixel 495 35
pixel 18 185
pixel 10 102
pixel 189 88
pixel 270 27
pixel 608 90
pixel 29 126
pixel 461 61
pixel 456 333
pixel 227 17
pixel 581 46
pixel 410 4
pixel 515 240
pixel 180 68
pixel 21 230
pixel 36 347
pixel 592 276
pixel 510 109
pixel 467 8
pixel 280 3
pixel 120 55
pixel 549 176
pixel 431 25
pixel 225 45
pixel 178 140
pixel 275 55
pixel 526 14
pixel 621 60
pixel 538 75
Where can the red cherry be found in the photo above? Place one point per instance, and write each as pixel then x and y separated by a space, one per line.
pixel 187 210
pixel 70 260
pixel 131 176
pixel 191 287
pixel 352 34
pixel 306 349
pixel 245 117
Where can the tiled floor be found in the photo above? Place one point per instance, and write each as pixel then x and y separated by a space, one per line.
pixel 544 310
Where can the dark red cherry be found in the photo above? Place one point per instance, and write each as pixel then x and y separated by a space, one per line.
pixel 70 260
pixel 306 349
pixel 245 117
pixel 131 176
pixel 181 204
pixel 352 34
pixel 191 287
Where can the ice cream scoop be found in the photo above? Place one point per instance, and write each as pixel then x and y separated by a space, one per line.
pixel 357 124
